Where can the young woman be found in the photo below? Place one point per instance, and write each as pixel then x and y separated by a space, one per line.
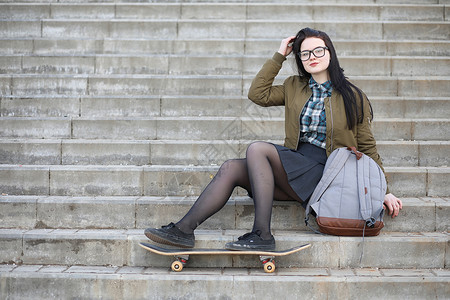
pixel 323 111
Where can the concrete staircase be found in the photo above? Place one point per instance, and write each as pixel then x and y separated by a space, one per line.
pixel 115 115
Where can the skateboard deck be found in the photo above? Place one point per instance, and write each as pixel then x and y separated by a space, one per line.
pixel 182 255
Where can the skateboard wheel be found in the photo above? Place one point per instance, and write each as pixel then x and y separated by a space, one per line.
pixel 177 266
pixel 269 267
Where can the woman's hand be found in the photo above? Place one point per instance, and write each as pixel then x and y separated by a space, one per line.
pixel 286 46
pixel 392 204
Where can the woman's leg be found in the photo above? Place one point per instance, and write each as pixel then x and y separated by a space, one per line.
pixel 268 180
pixel 231 174
pixel 261 172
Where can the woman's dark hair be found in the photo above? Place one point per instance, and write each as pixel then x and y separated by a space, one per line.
pixel 337 77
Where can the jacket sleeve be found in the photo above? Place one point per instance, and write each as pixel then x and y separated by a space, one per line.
pixel 366 140
pixel 261 91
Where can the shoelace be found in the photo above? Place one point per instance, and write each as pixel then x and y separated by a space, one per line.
pixel 171 225
pixel 248 236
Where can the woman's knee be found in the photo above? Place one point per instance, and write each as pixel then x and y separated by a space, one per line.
pixel 258 148
pixel 233 165
pixel 235 170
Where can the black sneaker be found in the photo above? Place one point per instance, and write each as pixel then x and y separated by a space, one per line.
pixel 171 235
pixel 252 241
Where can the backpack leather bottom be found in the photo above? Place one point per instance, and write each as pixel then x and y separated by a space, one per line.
pixel 347 227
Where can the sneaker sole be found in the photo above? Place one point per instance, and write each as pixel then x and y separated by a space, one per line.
pixel 161 240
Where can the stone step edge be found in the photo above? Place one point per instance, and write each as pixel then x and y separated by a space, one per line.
pixel 77 246
pixel 151 152
pixel 63 282
pixel 37 270
pixel 173 200
pixel 212 39
pixel 22 140
pixel 174 168
pixel 154 199
pixel 203 118
pixel 224 40
pixel 178 200
pixel 42 212
pixel 215 4
pixel 180 180
pixel 199 56
pixel 220 1
pixel 185 76
pixel 208 235
pixel 244 21
pixel 212 97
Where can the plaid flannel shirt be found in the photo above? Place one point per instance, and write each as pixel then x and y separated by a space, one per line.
pixel 313 123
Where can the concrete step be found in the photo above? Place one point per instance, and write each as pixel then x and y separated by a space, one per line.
pixel 378 86
pixel 196 106
pixel 121 248
pixel 411 154
pixel 410 107
pixel 78 85
pixel 251 11
pixel 198 85
pixel 91 282
pixel 212 46
pixel 201 128
pixel 179 152
pixel 212 65
pixel 175 180
pixel 44 212
pixel 247 1
pixel 211 28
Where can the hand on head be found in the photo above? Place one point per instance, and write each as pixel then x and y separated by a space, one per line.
pixel 286 46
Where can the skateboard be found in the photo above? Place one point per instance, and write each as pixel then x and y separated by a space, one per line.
pixel 182 255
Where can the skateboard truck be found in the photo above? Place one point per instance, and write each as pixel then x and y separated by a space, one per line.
pixel 181 260
pixel 268 263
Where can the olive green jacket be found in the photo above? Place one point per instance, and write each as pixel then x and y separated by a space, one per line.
pixel 294 93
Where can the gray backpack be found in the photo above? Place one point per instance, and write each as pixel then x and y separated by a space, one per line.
pixel 349 198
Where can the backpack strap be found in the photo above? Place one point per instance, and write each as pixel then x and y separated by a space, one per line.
pixel 363 188
pixel 365 202
pixel 333 166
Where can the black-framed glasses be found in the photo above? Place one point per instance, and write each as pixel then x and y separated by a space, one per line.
pixel 318 52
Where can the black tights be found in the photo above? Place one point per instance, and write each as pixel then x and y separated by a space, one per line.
pixel 260 173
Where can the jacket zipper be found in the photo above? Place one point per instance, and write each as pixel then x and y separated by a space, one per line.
pixel 332 126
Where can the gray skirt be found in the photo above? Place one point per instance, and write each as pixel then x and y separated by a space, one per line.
pixel 304 168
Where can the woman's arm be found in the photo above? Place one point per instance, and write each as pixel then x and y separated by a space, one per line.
pixel 262 91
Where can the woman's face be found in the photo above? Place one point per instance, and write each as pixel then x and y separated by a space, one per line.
pixel 316 66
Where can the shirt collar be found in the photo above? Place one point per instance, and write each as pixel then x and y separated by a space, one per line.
pixel 325 87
